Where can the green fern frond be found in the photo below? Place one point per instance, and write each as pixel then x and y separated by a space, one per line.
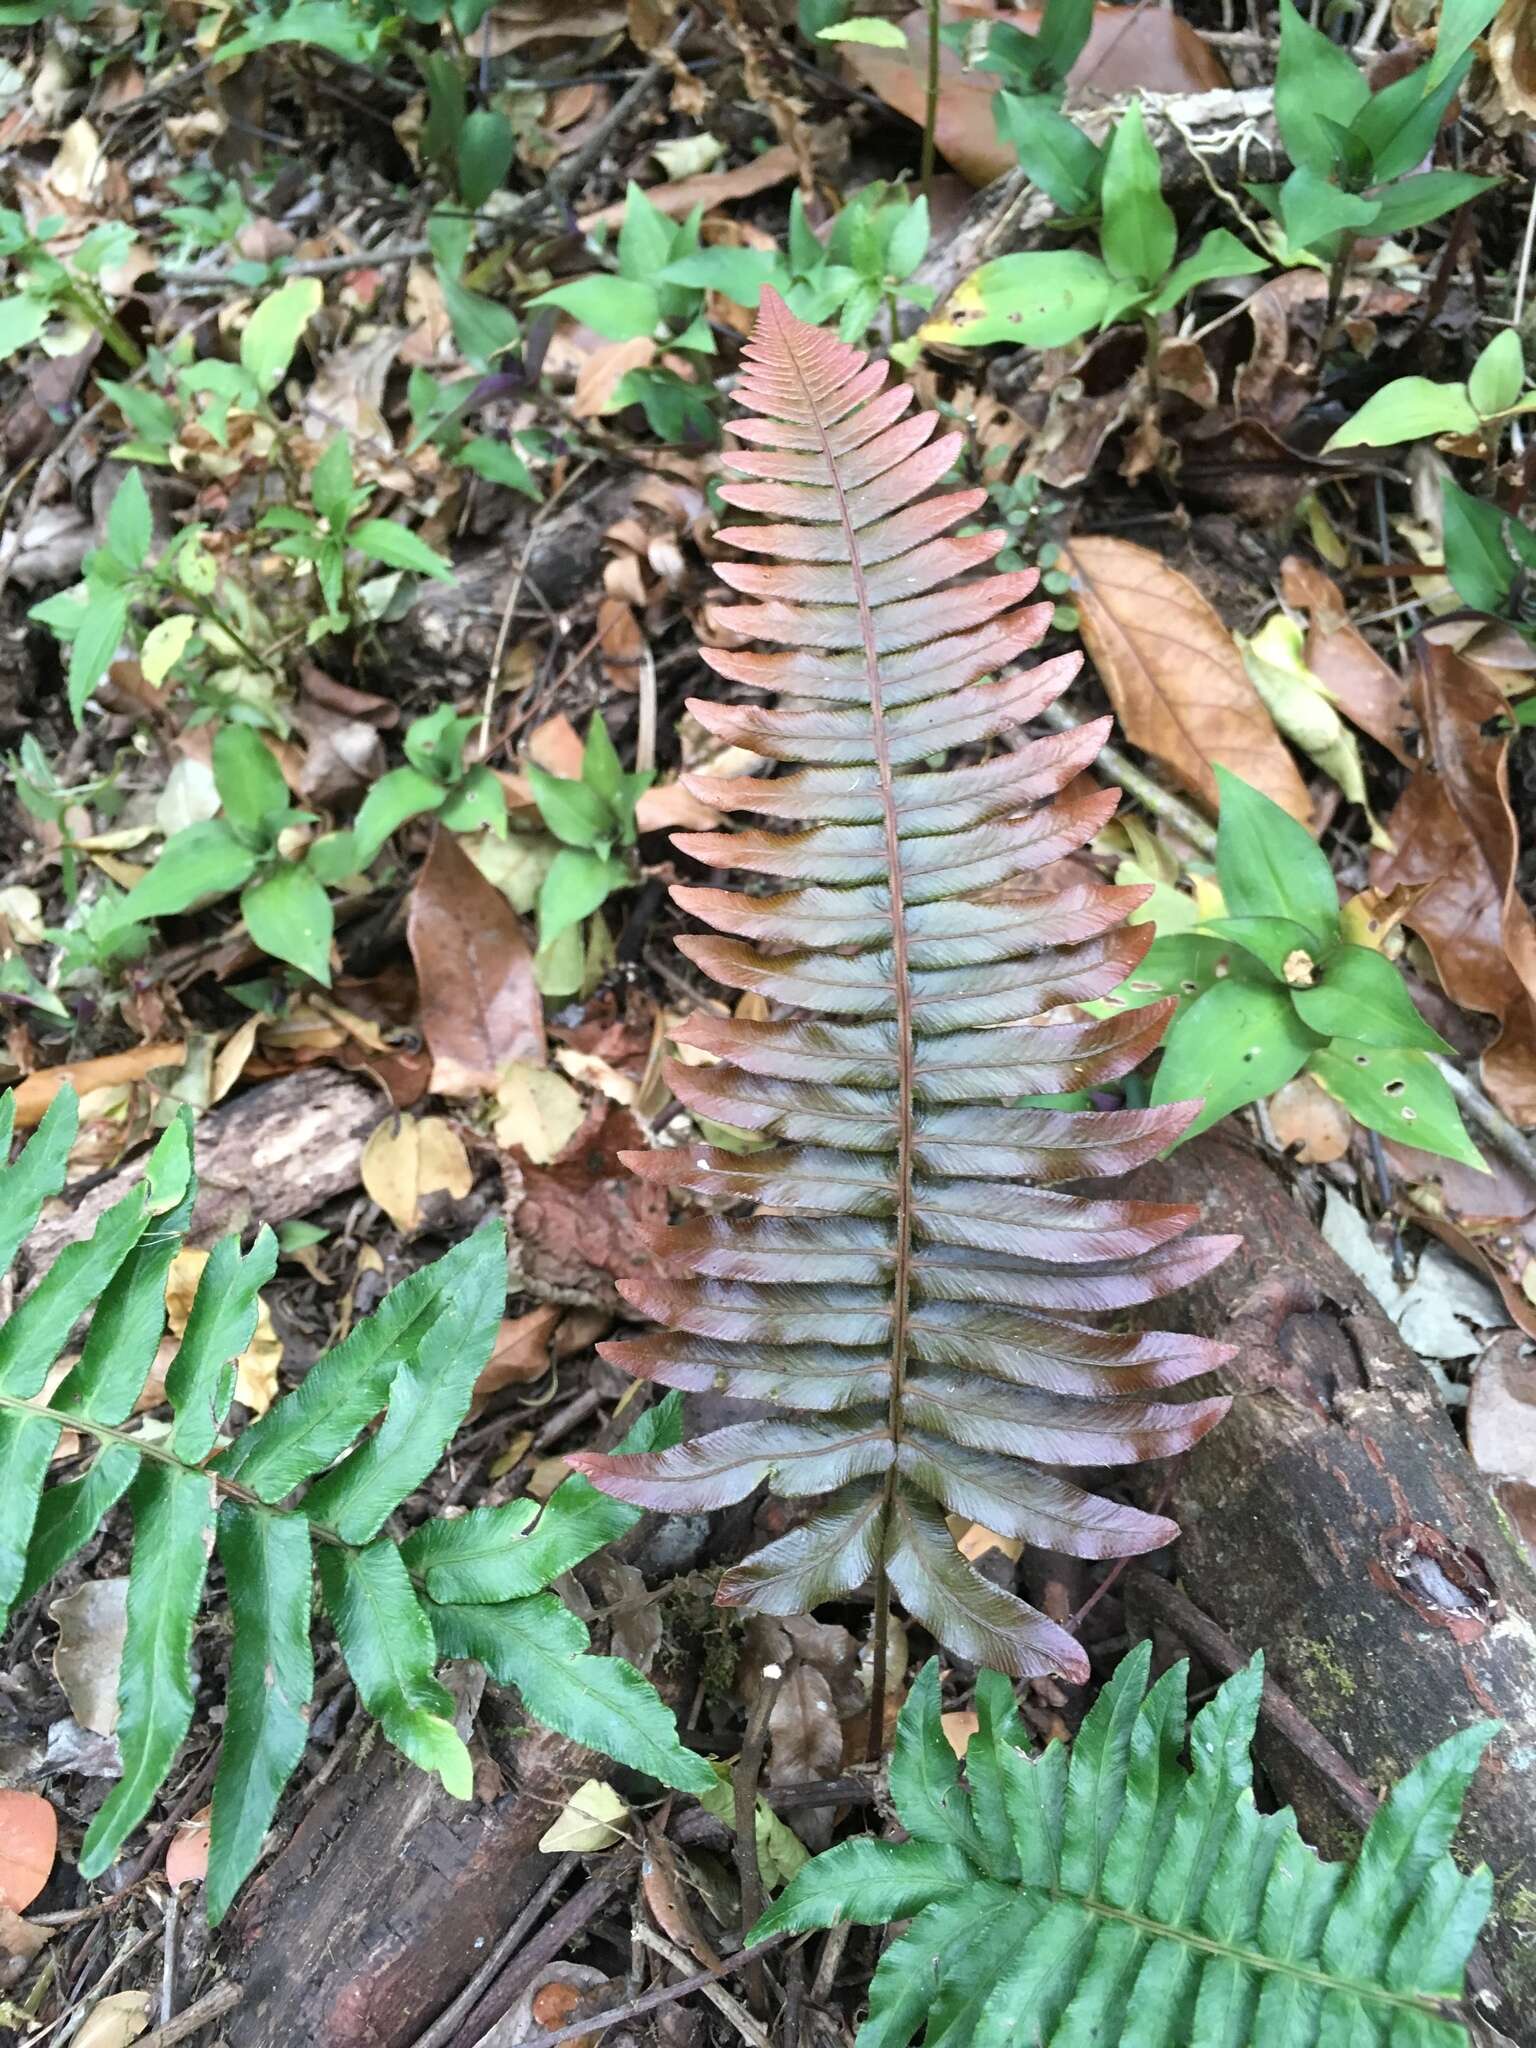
pixel 310 1485
pixel 1114 1895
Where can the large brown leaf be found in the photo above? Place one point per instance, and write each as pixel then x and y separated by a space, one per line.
pixel 1457 844
pixel 479 1005
pixel 1367 689
pixel 1173 674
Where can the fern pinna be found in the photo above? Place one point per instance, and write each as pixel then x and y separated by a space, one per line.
pixel 914 1287
pixel 309 1487
pixel 1112 1895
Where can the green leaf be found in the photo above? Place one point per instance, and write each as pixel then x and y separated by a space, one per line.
pixel 38 1173
pixel 1397 1092
pixel 869 1881
pixel 1268 864
pixel 486 144
pixel 1312 208
pixel 288 915
pixel 1410 202
pixel 1477 558
pixel 483 328
pixel 1235 1043
pixel 331 486
pixel 1275 941
pixel 387 1641
pixel 1139 233
pixel 272 332
pixel 577 884
pixel 1398 125
pixel 1407 409
pixel 866 28
pixel 617 308
pixel 164 645
pixel 130 523
pixel 386 541
pixel 1219 255
pixel 573 811
pixel 198 863
pixel 1037 300
pixel 305 1432
pixel 173 1524
pixel 1498 376
pixel 925 1774
pixel 1183 966
pixel 34 1334
pixel 428 1398
pixel 402 794
pixel 200 1379
pixel 1361 995
pixel 94 647
pixel 1316 84
pixel 648 241
pixel 22 319
pixel 68 1516
pixel 1053 151
pixel 266 1561
pixel 541 1648
pixel 478 803
pixel 248 779
pixel 1461 23
pixel 739 273
pixel 498 463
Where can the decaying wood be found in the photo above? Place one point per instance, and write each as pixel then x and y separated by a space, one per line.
pixel 389 1895
pixel 1336 1522
pixel 1207 141
pixel 276 1151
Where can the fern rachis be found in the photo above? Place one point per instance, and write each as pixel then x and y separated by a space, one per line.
pixel 915 1288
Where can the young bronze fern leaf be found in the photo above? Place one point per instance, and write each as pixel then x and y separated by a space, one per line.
pixel 914 1287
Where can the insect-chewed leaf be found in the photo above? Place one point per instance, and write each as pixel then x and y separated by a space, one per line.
pixel 1112 1894
pixel 917 1288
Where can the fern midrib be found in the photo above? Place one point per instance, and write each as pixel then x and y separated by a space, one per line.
pixel 905 1059
pixel 1208 1944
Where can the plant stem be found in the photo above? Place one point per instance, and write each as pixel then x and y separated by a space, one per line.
pixel 874 1745
pixel 931 106
pixel 1338 277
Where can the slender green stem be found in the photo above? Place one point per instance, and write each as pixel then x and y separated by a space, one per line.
pixel 931 108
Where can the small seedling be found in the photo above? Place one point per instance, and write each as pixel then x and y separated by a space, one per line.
pixel 594 820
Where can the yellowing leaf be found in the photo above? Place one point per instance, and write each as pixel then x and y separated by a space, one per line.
pixel 164 645
pixel 408 1158
pixel 538 1113
pixel 592 1818
pixel 1303 708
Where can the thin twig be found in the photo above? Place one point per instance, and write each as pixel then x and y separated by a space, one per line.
pixel 558 1934
pixel 652 2001
pixel 744 1779
pixel 448 2022
pixel 213 2005
pixel 168 1960
pixel 717 1994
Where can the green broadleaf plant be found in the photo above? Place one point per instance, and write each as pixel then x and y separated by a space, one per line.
pixel 1045 299
pixel 1412 408
pixel 594 820
pixel 476 1586
pixel 1490 556
pixel 1273 989
pixel 1113 1894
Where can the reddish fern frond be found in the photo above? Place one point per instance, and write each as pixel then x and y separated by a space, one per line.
pixel 915 1290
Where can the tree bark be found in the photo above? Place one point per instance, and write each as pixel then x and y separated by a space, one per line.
pixel 1336 1522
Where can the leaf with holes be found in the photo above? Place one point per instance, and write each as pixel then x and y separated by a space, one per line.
pixel 918 1300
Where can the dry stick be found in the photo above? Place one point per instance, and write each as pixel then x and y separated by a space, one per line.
pixel 749 1768
pixel 717 1994
pixel 213 2005
pixel 931 98
pixel 557 1933
pixel 447 2023
pixel 652 2001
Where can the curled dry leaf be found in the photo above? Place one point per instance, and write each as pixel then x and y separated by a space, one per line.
pixel 112 1070
pixel 480 1006
pixel 520 1353
pixel 1512 56
pixel 1458 846
pixel 408 1158
pixel 29 1842
pixel 88 1656
pixel 1367 689
pixel 1173 674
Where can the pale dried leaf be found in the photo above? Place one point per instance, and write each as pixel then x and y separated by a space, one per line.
pixel 538 1113
pixel 408 1158
pixel 29 1842
pixel 91 1622
pixel 592 1818
pixel 116 2020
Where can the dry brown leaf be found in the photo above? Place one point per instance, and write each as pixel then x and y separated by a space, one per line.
pixel 538 1113
pixel 520 1353
pixel 1307 1119
pixel 479 1005
pixel 88 1656
pixel 20 1940
pixel 1368 691
pixel 29 1842
pixel 604 370
pixel 1458 846
pixel 408 1158
pixel 958 1729
pixel 1173 674
pixel 1512 55
pixel 186 1860
pixel 709 189
pixel 112 1070
pixel 116 2020
pixel 585 1221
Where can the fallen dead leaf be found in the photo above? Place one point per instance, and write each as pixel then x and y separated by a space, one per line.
pixel 116 2020
pixel 20 1941
pixel 29 1842
pixel 585 1221
pixel 112 1070
pixel 1366 689
pixel 1501 1410
pixel 89 1653
pixel 958 1729
pixel 480 1007
pixel 1173 674
pixel 709 189
pixel 538 1112
pixel 604 370
pixel 408 1158
pixel 592 1818
pixel 1458 846
pixel 1512 57
pixel 186 1860
pixel 1307 1119
pixel 520 1353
